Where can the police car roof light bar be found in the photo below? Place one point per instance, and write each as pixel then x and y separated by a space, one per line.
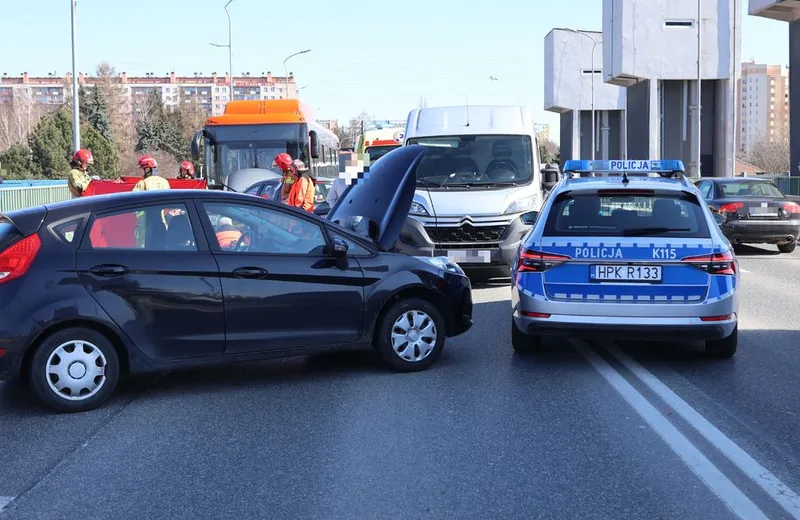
pixel 666 168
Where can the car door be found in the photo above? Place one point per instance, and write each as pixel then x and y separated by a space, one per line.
pixel 153 274
pixel 282 289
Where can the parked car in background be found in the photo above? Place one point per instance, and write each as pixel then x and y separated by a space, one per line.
pixel 98 287
pixel 755 210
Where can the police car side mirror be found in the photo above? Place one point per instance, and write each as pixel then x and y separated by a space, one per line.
pixel 719 218
pixel 530 217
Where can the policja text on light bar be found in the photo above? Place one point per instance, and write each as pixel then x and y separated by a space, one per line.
pixel 624 166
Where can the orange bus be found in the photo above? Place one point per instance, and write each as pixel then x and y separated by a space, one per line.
pixel 250 134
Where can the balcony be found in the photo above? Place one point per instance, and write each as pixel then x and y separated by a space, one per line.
pixel 783 10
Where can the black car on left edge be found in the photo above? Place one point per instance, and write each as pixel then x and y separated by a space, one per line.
pixel 755 211
pixel 96 288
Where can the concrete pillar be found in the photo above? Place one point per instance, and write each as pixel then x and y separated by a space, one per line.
pixel 654 148
pixel 794 97
pixel 694 139
pixel 624 131
pixel 576 134
pixel 605 135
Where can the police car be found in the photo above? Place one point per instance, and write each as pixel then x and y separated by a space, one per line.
pixel 625 250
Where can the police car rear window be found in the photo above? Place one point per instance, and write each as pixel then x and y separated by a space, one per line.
pixel 615 214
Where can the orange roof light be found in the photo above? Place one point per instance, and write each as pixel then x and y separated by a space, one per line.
pixel 262 112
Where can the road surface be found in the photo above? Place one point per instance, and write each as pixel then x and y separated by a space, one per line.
pixel 585 430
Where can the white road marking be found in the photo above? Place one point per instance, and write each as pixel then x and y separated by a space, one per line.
pixel 787 498
pixel 744 270
pixel 4 501
pixel 712 477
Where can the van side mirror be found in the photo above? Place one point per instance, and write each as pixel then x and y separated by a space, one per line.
pixel 529 218
pixel 340 248
pixel 550 176
pixel 196 145
pixel 313 139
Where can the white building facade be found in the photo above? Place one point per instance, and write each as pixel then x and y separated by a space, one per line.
pixel 575 89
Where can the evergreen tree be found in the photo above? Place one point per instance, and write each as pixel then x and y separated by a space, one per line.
pixel 16 163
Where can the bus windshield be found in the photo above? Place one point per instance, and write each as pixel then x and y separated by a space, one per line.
pixel 238 147
pixel 475 161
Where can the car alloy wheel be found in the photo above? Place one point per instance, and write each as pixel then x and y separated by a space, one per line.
pixel 414 336
pixel 76 370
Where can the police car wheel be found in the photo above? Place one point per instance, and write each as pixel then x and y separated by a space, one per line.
pixel 725 347
pixel 787 248
pixel 411 334
pixel 523 343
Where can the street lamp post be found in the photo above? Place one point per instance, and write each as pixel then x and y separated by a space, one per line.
pixel 699 93
pixel 229 46
pixel 286 69
pixel 76 124
pixel 594 45
pixel 492 78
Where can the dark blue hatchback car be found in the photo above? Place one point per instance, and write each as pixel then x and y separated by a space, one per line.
pixel 100 287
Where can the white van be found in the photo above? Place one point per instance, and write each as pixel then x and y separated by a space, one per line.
pixel 480 176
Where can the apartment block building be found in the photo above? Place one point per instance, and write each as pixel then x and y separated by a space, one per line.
pixel 209 92
pixel 763 97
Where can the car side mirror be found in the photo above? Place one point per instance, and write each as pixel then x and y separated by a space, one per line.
pixel 340 248
pixel 530 217
pixel 720 218
pixel 550 176
pixel 313 143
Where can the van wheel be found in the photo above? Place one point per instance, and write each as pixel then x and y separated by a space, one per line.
pixel 725 347
pixel 787 248
pixel 411 335
pixel 524 343
pixel 74 370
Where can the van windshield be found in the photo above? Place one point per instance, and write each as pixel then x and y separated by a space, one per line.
pixel 475 161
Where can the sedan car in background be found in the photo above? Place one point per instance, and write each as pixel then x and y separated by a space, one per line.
pixel 755 210
pixel 98 287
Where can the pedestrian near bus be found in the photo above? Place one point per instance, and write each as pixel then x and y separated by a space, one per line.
pixel 78 179
pixel 151 181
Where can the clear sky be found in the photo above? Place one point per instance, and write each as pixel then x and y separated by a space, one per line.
pixel 378 57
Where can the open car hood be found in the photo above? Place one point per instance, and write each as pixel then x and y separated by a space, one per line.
pixel 377 205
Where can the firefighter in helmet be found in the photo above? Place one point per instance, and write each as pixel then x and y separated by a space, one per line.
pixel 186 171
pixel 78 179
pixel 151 181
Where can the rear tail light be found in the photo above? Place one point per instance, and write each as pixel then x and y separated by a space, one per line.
pixel 536 261
pixel 718 263
pixel 535 314
pixel 17 259
pixel 724 317
pixel 731 207
pixel 792 208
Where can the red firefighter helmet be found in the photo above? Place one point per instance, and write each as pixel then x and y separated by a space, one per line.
pixel 147 161
pixel 283 161
pixel 187 168
pixel 83 156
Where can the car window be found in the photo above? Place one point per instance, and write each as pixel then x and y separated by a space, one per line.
pixel 750 189
pixel 705 189
pixel 151 228
pixel 241 228
pixel 253 190
pixel 66 231
pixel 621 214
pixel 355 249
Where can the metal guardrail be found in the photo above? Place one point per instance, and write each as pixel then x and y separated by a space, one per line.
pixel 13 198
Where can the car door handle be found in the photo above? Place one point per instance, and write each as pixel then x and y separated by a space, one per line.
pixel 109 270
pixel 250 272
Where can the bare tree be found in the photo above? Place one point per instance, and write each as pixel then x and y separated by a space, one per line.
pixel 18 119
pixel 771 155
pixel 548 150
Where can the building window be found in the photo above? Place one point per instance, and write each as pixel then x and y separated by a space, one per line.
pixel 679 23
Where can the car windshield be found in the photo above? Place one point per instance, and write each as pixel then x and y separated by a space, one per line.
pixel 376 152
pixel 477 161
pixel 619 214
pixel 750 189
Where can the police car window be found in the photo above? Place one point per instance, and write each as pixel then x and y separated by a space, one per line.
pixel 618 214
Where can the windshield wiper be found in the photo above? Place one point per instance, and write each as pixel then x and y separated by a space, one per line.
pixel 430 184
pixel 652 231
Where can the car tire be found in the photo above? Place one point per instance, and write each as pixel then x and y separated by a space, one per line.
pixel 524 343
pixel 787 248
pixel 723 348
pixel 411 335
pixel 71 356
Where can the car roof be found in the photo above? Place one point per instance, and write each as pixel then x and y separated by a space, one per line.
pixel 733 180
pixel 600 183
pixel 97 202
